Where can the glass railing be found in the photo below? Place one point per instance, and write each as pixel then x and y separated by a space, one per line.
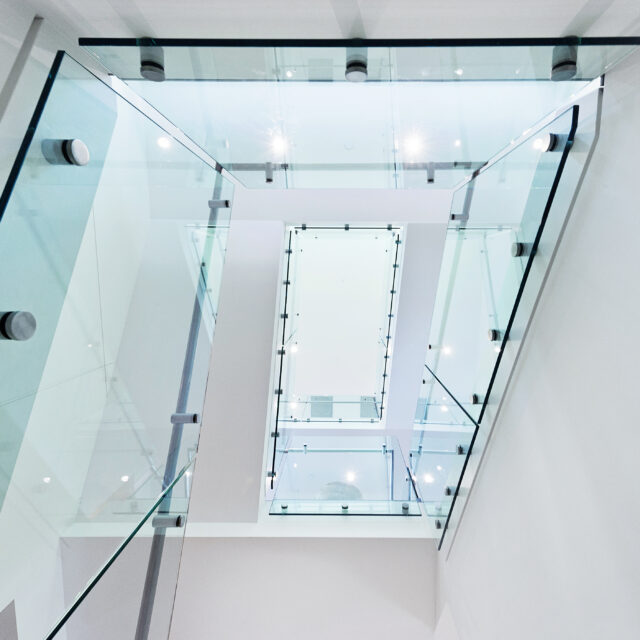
pixel 255 105
pixel 506 221
pixel 314 409
pixel 336 326
pixel 496 217
pixel 342 475
pixel 112 236
pixel 108 605
pixel 443 431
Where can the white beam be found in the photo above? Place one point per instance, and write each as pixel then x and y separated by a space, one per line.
pixel 423 247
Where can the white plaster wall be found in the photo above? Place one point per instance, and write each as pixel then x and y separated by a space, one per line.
pixel 285 589
pixel 547 547
pixel 228 478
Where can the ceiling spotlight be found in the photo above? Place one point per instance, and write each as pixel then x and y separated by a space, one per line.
pixel 444 408
pixel 163 142
pixel 457 143
pixel 458 72
pixel 413 145
pixel 46 479
pixel 439 468
pixel 294 348
pixel 279 144
pixel 124 478
pixel 351 476
pixel 289 73
pixel 428 478
pixel 446 351
pixel 356 68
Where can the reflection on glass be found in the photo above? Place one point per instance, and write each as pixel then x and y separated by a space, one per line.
pixel 498 217
pixel 109 604
pixel 342 475
pixel 336 326
pixel 111 258
pixel 495 220
pixel 285 116
pixel 441 439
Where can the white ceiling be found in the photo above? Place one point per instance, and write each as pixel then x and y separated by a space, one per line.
pixel 342 18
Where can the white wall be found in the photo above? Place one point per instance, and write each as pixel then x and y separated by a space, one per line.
pixel 228 478
pixel 316 589
pixel 547 547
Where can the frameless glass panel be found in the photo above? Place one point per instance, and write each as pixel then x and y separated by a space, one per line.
pixel 325 60
pixel 336 326
pixel 506 221
pixel 343 475
pixel 109 605
pixel 283 115
pixel 119 261
pixel 496 217
pixel 441 440
pixel 375 135
pixel 336 334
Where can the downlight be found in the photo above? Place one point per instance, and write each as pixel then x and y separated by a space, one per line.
pixel 152 63
pixel 356 69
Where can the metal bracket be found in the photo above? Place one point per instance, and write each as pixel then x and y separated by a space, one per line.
pixel 185 418
pixel 219 204
pixel 168 521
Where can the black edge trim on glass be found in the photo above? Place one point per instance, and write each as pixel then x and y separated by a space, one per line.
pixel 356 42
pixel 31 130
pixel 282 354
pixel 390 320
pixel 536 242
pixel 466 413
pixel 534 247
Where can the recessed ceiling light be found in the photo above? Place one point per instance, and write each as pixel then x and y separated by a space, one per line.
pixel 278 144
pixel 351 476
pixel 124 478
pixel 458 72
pixel 289 73
pixel 444 408
pixel 457 143
pixel 446 351
pixel 428 478
pixel 413 144
pixel 294 348
pixel 439 468
pixel 46 479
pixel 164 142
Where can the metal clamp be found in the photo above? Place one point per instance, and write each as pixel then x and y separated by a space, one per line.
pixel 168 521
pixel 185 418
pixel 17 325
